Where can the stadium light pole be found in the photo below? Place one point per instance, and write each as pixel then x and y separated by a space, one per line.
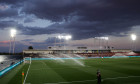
pixel 106 38
pixel 55 47
pixel 102 41
pixel 133 37
pixel 12 40
pixel 60 37
pixel 94 45
pixel 68 37
pixel 99 41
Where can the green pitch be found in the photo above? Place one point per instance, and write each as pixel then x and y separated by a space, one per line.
pixel 83 71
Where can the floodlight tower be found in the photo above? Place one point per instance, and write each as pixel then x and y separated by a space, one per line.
pixel 106 38
pixel 133 37
pixel 12 40
pixel 98 39
pixel 60 37
pixel 68 37
pixel 94 45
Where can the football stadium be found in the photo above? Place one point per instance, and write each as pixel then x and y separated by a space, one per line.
pixel 70 67
pixel 69 42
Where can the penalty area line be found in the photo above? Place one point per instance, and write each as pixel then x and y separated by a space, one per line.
pixel 121 77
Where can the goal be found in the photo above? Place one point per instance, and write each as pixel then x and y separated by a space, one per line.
pixel 27 60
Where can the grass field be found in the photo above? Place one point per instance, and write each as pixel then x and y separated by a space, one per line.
pixel 83 71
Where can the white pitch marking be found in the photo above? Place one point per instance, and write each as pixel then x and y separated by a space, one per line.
pixel 26 74
pixel 94 80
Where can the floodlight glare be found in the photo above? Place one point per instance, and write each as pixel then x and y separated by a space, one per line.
pixel 68 37
pixel 59 37
pixel 13 33
pixel 106 38
pixel 102 38
pixel 133 37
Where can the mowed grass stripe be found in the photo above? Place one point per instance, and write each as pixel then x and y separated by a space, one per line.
pixel 8 77
pixel 54 71
pixel 110 71
pixel 43 75
pixel 118 66
pixel 106 67
pixel 114 66
pixel 106 71
pixel 85 81
pixel 73 72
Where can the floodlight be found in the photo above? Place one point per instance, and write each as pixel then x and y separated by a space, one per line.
pixel 103 38
pixel 59 37
pixel 133 37
pixel 106 38
pixel 12 40
pixel 68 37
pixel 13 33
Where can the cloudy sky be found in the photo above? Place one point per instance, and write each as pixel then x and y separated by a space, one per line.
pixel 39 22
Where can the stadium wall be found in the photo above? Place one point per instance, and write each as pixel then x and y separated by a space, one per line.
pixel 4 71
pixel 88 53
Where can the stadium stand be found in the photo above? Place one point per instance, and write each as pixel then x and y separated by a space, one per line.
pixel 7 61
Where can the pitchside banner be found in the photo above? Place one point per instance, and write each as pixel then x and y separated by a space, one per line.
pixel 9 68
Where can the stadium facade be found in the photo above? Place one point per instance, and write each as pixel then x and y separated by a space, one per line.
pixel 82 52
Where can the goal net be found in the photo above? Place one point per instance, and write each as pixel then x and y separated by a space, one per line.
pixel 27 60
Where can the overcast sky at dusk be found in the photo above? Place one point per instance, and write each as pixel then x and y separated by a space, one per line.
pixel 38 22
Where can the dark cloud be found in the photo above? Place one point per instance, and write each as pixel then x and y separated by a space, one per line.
pixel 82 30
pixel 81 18
pixel 27 40
pixel 28 20
pixel 36 30
pixel 8 12
pixel 84 18
pixel 53 9
pixel 11 1
pixel 5 24
pixel 90 10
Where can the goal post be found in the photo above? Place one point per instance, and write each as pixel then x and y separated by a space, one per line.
pixel 27 60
